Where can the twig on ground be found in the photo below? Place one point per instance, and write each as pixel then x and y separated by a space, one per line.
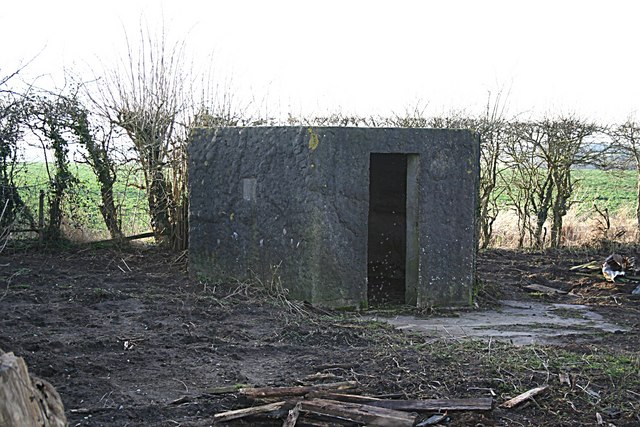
pixel 523 397
pixel 186 389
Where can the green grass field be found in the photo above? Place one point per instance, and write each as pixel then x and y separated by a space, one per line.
pixel 614 190
pixel 82 213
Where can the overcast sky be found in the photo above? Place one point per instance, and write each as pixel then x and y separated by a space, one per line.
pixel 361 57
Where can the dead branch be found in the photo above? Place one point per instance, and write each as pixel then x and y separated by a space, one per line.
pixel 246 412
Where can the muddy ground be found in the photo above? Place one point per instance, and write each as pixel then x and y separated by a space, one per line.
pixel 127 338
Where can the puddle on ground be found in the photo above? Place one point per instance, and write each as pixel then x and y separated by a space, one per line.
pixel 518 322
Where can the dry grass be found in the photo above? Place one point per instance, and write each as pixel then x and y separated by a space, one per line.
pixel 579 229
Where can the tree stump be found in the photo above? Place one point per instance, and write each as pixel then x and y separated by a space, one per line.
pixel 26 400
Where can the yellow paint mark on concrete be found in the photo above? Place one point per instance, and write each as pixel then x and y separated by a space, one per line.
pixel 232 216
pixel 314 140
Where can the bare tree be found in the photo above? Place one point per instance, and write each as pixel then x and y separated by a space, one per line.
pixel 530 187
pixel 525 183
pixel 626 138
pixel 541 156
pixel 566 145
pixel 157 98
pixel 493 130
pixel 146 97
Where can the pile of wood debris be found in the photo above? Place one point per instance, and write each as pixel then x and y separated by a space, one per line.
pixel 337 404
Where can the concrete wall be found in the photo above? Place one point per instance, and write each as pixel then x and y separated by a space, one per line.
pixel 299 198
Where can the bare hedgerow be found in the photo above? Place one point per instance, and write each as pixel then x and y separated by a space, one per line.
pixel 541 156
pixel 626 139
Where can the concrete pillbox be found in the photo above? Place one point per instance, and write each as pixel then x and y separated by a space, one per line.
pixel 342 217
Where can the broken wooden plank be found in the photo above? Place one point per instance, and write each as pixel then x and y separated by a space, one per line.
pixel 522 397
pixel 292 417
pixel 265 392
pixel 358 413
pixel 437 405
pixel 534 287
pixel 422 405
pixel 351 398
pixel 247 412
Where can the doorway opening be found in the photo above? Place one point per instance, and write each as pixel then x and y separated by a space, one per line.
pixel 392 235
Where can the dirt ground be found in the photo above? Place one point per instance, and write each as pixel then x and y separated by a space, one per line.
pixel 127 338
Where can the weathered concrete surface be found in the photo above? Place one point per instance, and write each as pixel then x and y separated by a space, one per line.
pixel 298 198
pixel 518 322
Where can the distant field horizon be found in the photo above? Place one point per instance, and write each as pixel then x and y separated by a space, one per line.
pixel 614 190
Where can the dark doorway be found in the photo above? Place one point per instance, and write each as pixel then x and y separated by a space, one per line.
pixel 387 241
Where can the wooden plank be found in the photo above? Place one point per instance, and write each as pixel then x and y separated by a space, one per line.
pixel 247 412
pixel 351 398
pixel 522 397
pixel 265 392
pixel 424 405
pixel 436 405
pixel 358 413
